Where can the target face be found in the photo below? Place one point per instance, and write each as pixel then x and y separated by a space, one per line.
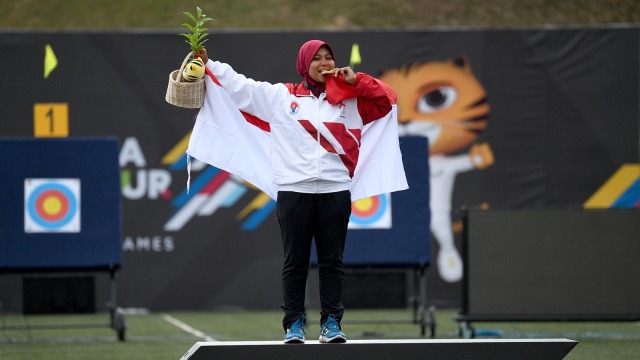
pixel 371 213
pixel 52 205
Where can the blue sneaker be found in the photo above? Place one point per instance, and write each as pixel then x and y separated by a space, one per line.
pixel 330 331
pixel 295 333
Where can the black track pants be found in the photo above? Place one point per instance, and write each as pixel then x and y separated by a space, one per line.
pixel 302 218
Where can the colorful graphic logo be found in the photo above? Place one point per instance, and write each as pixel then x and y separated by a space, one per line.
pixel 620 191
pixel 52 205
pixel 371 213
pixel 211 190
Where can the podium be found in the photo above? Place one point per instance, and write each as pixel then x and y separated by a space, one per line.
pixel 445 349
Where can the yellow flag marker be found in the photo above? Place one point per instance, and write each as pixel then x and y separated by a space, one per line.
pixel 355 56
pixel 50 60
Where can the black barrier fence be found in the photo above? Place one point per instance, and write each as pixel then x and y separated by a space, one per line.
pixel 556 113
pixel 551 264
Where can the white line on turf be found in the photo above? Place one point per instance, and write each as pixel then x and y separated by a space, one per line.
pixel 195 332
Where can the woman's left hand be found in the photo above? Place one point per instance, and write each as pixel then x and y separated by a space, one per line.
pixel 347 73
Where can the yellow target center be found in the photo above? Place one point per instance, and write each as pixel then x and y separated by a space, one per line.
pixel 363 204
pixel 52 205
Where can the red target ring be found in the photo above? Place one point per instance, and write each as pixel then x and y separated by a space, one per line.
pixel 52 205
pixel 370 208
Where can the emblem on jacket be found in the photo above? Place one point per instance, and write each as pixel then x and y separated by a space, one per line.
pixel 294 108
pixel 342 109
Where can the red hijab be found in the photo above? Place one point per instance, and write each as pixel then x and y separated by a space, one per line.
pixel 307 51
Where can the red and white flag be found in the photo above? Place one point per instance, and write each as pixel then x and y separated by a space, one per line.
pixel 239 143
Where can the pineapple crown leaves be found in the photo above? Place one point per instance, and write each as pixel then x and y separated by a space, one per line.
pixel 196 38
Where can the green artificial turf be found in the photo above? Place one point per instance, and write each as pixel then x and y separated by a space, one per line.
pixel 152 336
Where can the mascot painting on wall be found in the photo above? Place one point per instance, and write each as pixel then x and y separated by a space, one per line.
pixel 445 102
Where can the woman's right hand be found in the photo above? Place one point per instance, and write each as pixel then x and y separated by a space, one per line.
pixel 203 55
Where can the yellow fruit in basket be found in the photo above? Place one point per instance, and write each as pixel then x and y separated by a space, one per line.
pixel 194 70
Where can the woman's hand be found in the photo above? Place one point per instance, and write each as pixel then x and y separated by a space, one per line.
pixel 347 73
pixel 203 55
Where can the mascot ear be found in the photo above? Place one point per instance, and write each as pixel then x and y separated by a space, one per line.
pixel 460 61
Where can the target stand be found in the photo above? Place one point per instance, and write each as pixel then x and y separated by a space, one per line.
pixel 60 213
pixel 445 349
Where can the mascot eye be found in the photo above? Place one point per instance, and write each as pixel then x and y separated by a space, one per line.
pixel 438 99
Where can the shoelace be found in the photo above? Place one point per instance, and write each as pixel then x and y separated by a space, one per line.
pixel 331 324
pixel 298 325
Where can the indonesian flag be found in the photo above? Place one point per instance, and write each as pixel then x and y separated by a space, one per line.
pixel 239 143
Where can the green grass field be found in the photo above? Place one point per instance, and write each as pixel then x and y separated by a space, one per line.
pixel 153 336
pixel 299 14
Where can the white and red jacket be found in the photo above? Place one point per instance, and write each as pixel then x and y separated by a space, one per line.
pixel 312 145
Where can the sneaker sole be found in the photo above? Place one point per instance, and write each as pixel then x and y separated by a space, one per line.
pixel 334 340
pixel 294 341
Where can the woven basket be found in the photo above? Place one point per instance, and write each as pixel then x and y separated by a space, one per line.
pixel 185 94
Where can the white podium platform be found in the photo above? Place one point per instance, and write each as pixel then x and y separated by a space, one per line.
pixel 444 349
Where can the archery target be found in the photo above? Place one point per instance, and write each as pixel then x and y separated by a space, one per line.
pixel 371 213
pixel 52 205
